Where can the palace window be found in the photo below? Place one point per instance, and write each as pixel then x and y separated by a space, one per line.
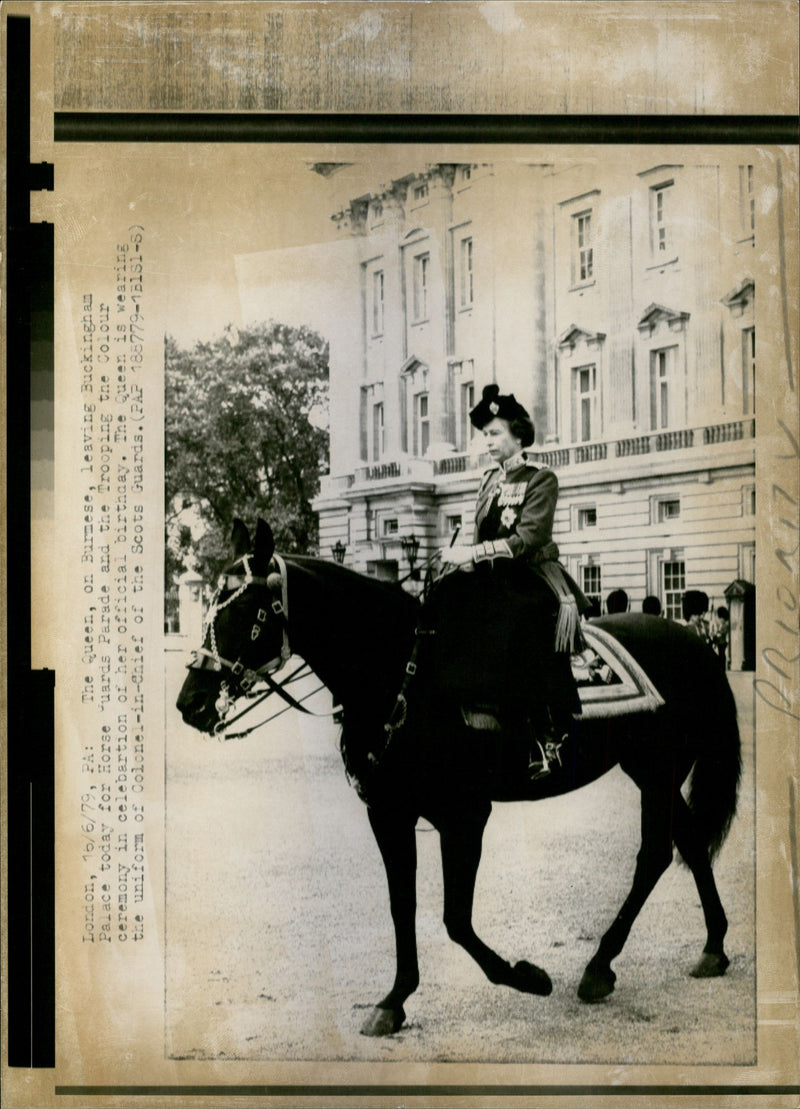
pixel 749 371
pixel 377 302
pixel 664 401
pixel 668 509
pixel 582 249
pixel 421 285
pixel 378 432
pixel 420 191
pixel 422 425
pixel 466 404
pixel 591 584
pixel 465 273
pixel 747 201
pixel 673 586
pixel 587 518
pixel 461 376
pixel 390 526
pixel 661 235
pixel 585 419
pixel 453 524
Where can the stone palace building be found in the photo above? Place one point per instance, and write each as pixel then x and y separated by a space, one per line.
pixel 614 297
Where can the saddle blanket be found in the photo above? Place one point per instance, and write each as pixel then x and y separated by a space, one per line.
pixel 610 681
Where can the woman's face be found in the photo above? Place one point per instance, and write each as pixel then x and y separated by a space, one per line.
pixel 500 443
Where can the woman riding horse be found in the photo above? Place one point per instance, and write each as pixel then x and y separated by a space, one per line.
pixel 506 633
pixel 437 767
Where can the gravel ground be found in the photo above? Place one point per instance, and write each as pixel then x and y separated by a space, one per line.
pixel 279 936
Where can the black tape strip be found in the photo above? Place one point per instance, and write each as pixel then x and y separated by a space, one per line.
pixel 30 761
pixel 406 128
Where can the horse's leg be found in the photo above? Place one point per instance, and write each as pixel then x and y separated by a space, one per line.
pixel 655 855
pixel 396 839
pixel 461 853
pixel 694 852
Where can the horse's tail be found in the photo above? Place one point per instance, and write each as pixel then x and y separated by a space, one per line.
pixel 714 786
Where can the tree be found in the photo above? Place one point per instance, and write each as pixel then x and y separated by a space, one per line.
pixel 246 435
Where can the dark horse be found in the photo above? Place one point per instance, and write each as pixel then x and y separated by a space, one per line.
pixel 359 634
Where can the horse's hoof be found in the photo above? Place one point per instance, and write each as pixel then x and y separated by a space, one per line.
pixel 710 965
pixel 597 983
pixel 531 979
pixel 383 1022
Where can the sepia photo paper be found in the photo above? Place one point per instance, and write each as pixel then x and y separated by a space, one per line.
pixel 223 923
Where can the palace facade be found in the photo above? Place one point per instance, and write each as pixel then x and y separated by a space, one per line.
pixel 615 297
pixel 616 303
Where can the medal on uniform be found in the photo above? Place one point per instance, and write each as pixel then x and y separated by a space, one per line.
pixel 511 492
pixel 508 517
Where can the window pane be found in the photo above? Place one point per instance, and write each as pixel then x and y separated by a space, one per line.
pixel 377 302
pixel 591 583
pixel 749 371
pixel 584 404
pixel 674 585
pixel 377 431
pixel 421 274
pixel 586 421
pixel 659 219
pixel 663 388
pixel 582 253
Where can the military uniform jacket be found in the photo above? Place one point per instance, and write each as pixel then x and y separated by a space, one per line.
pixel 516 503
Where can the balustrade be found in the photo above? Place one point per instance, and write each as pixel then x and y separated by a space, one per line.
pixel 591 452
pixel 729 433
pixel 454 464
pixel 627 447
pixel 674 440
pixel 560 457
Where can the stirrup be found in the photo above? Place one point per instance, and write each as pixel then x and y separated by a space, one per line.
pixel 550 756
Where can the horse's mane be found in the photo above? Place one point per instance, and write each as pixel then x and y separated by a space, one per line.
pixel 345 578
pixel 364 624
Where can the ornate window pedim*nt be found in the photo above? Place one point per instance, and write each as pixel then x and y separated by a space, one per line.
pixel 575 335
pixel 580 198
pixel 416 234
pixel 657 314
pixel 740 296
pixel 413 365
pixel 663 168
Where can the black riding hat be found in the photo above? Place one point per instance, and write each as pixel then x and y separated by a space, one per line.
pixel 494 404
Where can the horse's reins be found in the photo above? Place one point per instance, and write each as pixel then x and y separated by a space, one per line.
pixel 247 677
pixel 397 717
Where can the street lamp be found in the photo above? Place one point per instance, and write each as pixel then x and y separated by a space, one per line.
pixel 338 550
pixel 410 545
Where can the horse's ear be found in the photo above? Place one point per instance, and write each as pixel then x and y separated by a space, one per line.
pixel 265 543
pixel 240 538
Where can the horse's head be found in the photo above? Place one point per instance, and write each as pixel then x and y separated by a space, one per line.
pixel 245 630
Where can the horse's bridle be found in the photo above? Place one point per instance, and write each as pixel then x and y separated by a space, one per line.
pixel 244 678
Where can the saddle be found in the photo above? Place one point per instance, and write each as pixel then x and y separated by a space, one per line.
pixel 609 680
